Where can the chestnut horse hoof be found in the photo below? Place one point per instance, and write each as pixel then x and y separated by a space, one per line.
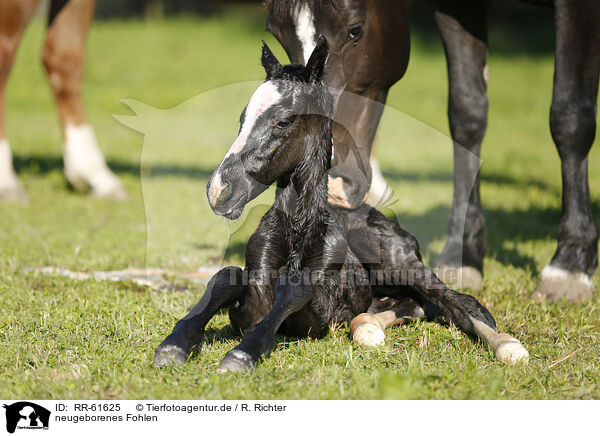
pixel 236 361
pixel 169 355
pixel 15 193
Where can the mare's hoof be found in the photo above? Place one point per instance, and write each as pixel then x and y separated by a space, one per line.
pixel 557 284
pixel 236 361
pixel 463 277
pixel 169 355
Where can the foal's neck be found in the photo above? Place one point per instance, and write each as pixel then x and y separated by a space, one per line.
pixel 304 198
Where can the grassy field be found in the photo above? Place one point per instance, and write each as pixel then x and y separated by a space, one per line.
pixel 61 338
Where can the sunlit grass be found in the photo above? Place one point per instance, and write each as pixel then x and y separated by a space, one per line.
pixel 61 338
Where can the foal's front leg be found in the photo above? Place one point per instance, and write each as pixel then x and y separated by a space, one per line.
pixel 259 340
pixel 222 290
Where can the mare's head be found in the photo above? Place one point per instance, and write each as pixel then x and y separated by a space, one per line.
pixel 280 128
pixel 369 49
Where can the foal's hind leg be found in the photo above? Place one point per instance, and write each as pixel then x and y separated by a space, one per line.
pixel 222 290
pixel 398 251
pixel 14 16
pixel 369 328
pixel 63 57
pixel 573 126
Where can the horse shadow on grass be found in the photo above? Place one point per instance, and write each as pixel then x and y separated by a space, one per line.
pixel 39 164
pixel 506 228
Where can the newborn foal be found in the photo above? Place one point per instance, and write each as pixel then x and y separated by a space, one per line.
pixel 300 258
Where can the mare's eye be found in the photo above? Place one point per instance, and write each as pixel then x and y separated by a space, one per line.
pixel 284 124
pixel 355 32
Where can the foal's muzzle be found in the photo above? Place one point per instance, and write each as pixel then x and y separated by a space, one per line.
pixel 221 198
pixel 229 190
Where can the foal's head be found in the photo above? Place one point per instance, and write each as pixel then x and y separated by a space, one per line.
pixel 369 49
pixel 279 129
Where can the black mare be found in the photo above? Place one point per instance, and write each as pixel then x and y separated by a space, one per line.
pixel 370 47
pixel 304 248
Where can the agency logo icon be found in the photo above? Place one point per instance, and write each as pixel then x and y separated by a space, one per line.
pixel 26 415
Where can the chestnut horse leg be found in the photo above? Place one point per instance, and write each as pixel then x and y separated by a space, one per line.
pixel 63 56
pixel 573 126
pixel 463 28
pixel 14 16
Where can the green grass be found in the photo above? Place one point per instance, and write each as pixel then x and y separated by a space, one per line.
pixel 61 338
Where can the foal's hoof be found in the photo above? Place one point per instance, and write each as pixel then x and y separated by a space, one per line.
pixel 463 277
pixel 512 352
pixel 369 335
pixel 169 355
pixel 557 284
pixel 236 361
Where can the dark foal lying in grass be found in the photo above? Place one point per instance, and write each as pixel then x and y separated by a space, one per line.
pixel 307 262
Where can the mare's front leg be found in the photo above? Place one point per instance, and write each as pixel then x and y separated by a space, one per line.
pixel 463 28
pixel 573 126
pixel 223 289
pixel 259 340
pixel 398 250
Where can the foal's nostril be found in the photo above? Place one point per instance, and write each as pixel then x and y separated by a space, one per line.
pixel 225 193
pixel 218 192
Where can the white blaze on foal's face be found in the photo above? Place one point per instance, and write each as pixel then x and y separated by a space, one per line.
pixel 305 30
pixel 263 98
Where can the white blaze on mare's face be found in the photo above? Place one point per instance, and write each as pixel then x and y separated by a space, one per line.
pixel 263 98
pixel 305 30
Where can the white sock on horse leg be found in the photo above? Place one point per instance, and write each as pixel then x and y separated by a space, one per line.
pixel 10 186
pixel 85 164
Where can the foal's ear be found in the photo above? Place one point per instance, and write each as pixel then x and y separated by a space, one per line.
pixel 316 62
pixel 269 61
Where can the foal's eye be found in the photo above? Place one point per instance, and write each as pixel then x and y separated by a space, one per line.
pixel 355 32
pixel 284 124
